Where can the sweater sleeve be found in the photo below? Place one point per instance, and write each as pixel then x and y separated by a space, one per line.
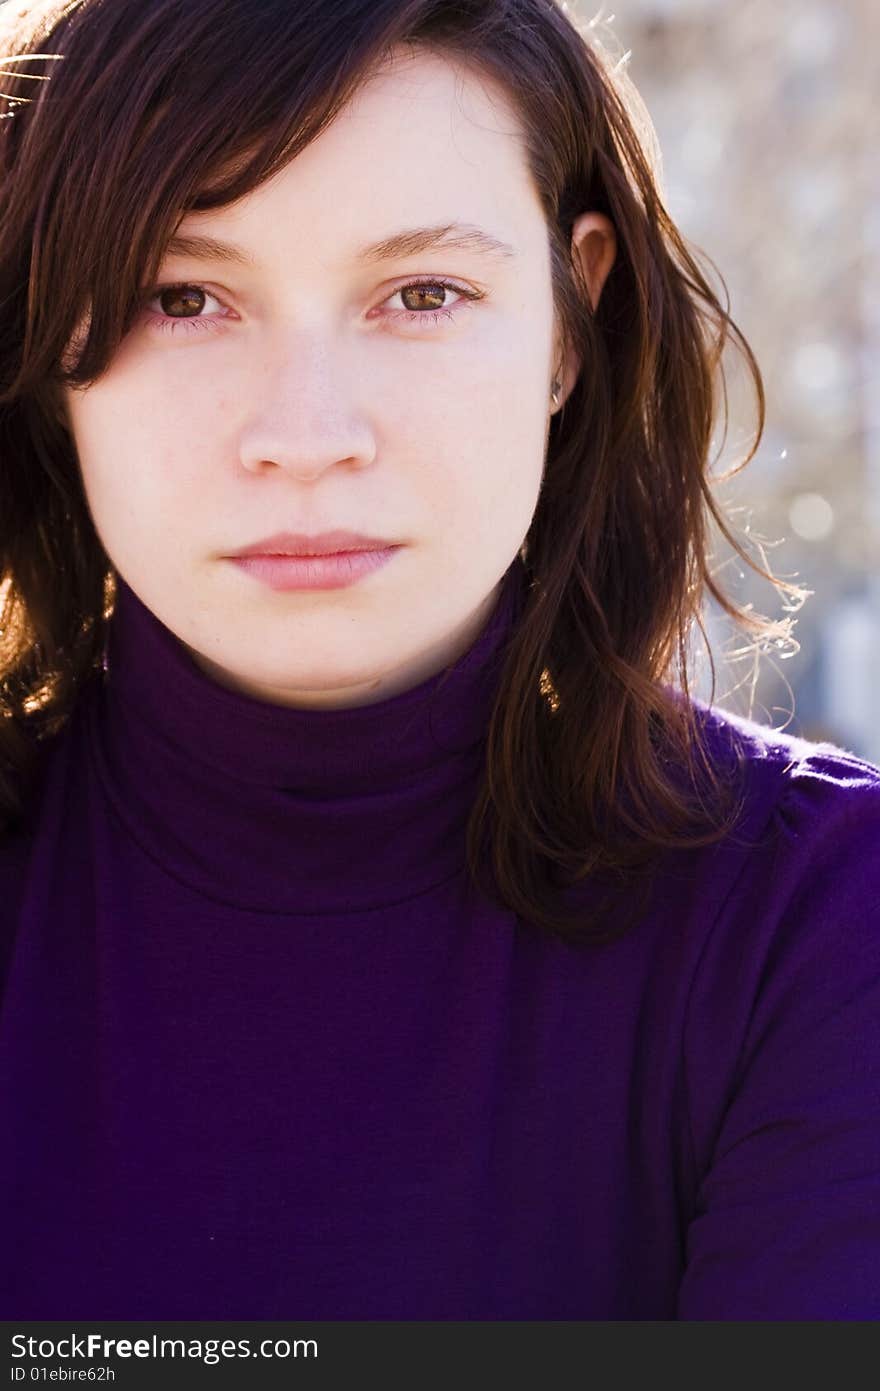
pixel 785 1008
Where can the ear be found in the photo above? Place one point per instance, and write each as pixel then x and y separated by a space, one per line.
pixel 594 243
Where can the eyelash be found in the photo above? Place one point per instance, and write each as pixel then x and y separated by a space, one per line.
pixel 167 324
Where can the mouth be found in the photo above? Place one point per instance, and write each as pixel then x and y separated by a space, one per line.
pixel 332 570
pixel 338 542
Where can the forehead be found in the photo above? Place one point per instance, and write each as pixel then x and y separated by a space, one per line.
pixel 426 97
pixel 424 142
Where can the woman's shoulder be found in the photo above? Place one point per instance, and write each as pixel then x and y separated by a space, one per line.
pixel 813 791
pixel 781 1051
pixel 37 823
pixel 800 861
pixel 793 893
pixel 21 822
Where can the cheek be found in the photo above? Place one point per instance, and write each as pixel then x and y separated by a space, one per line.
pixel 136 445
pixel 480 459
pixel 507 449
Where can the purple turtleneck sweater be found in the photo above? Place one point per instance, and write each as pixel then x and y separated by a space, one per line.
pixel 264 1054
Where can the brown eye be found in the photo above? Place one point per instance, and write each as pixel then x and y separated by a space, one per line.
pixel 428 301
pixel 176 300
pixel 426 296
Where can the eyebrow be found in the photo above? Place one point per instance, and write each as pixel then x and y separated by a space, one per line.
pixel 411 241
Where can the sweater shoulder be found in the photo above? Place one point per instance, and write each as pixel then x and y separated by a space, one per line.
pixel 780 1050
pixel 18 837
pixel 801 861
pixel 813 791
pixel 788 908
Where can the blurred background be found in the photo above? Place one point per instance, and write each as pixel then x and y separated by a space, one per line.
pixel 766 118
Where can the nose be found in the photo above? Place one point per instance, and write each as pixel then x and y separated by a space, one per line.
pixel 302 415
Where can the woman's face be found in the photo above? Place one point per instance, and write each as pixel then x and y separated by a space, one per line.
pixel 302 392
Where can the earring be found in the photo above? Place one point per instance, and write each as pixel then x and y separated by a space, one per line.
pixel 554 393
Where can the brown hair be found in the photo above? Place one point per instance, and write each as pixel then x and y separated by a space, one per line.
pixel 145 109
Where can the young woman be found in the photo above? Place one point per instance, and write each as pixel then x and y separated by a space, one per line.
pixel 388 933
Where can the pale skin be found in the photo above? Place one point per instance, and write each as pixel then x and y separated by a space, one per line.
pixel 318 403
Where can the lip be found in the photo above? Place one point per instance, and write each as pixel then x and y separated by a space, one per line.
pixel 297 543
pixel 333 571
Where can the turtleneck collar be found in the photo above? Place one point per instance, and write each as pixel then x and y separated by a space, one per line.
pixel 285 810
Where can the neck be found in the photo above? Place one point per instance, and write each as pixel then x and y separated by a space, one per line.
pixel 280 809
